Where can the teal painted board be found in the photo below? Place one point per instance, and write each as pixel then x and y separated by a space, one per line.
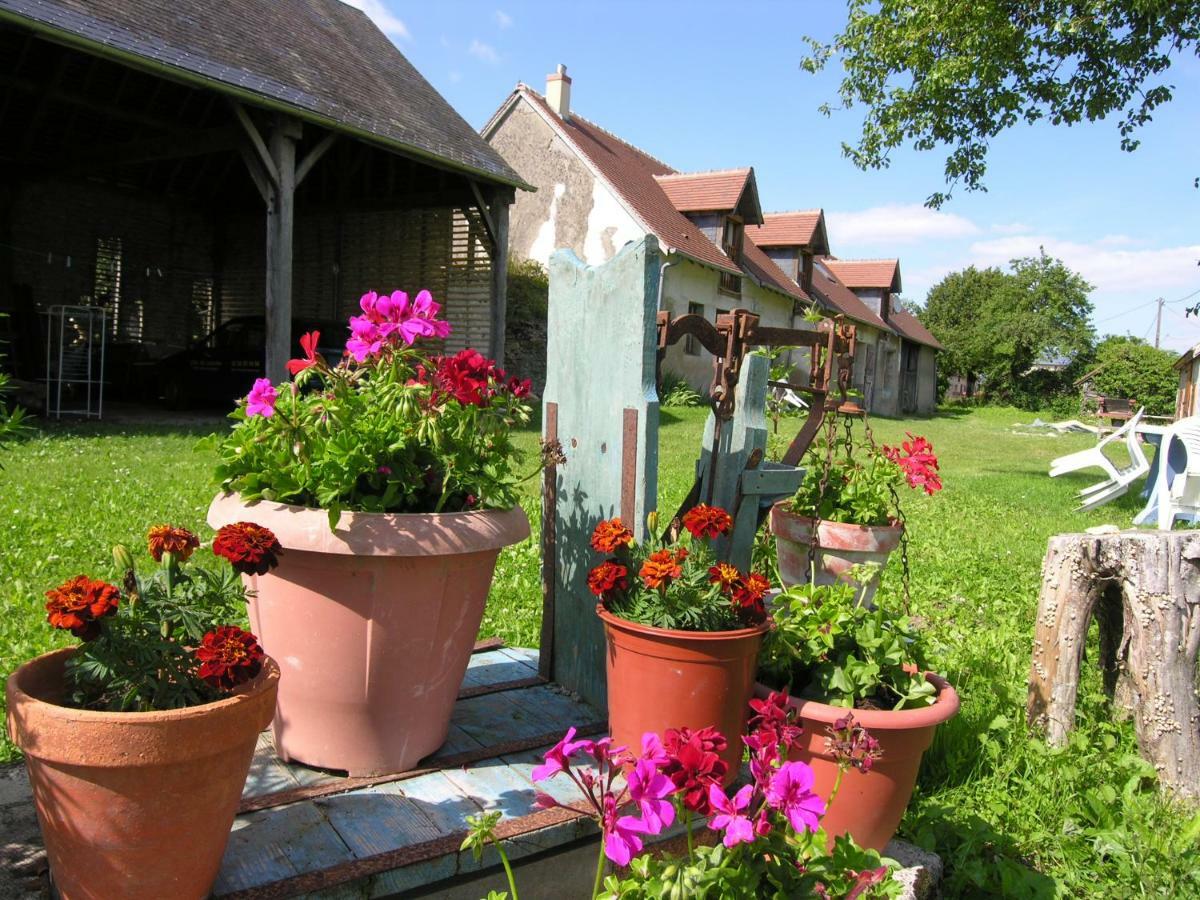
pixel 600 367
pixel 522 655
pixel 495 718
pixel 441 801
pixel 494 785
pixel 494 667
pixel 278 843
pixel 772 480
pixel 383 818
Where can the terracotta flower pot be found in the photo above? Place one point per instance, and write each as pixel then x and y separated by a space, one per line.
pixel 372 624
pixel 839 546
pixel 869 805
pixel 134 805
pixel 660 679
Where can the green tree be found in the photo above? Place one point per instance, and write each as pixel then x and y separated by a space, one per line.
pixel 951 314
pixel 956 74
pixel 1129 367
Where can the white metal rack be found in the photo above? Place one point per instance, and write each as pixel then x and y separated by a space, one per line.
pixel 75 346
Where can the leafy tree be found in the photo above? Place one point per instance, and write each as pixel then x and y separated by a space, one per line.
pixel 956 74
pixel 1129 367
pixel 951 313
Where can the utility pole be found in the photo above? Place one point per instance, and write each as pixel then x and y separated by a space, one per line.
pixel 1158 323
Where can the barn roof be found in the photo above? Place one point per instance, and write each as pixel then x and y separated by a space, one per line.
pixel 321 60
pixel 802 228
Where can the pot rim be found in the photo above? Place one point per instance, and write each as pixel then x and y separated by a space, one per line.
pixel 780 508
pixel 944 708
pixel 244 693
pixel 653 630
pixel 376 534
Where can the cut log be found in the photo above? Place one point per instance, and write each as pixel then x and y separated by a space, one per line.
pixel 1143 587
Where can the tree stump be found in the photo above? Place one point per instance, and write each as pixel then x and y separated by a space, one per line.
pixel 1144 589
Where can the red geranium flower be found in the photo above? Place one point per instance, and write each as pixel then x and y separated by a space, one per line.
pixel 919 463
pixel 725 575
pixel 228 657
pixel 607 577
pixel 250 549
pixel 610 535
pixel 179 542
pixel 308 343
pixel 466 377
pixel 78 604
pixel 693 764
pixel 660 567
pixel 707 521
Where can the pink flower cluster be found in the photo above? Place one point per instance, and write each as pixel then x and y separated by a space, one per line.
pixel 918 462
pixel 261 399
pixel 391 318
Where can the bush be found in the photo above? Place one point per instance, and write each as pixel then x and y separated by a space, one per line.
pixel 676 393
pixel 1128 367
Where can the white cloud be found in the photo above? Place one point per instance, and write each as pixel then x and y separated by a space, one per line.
pixel 455 76
pixel 503 19
pixel 1011 228
pixel 485 52
pixel 895 223
pixel 378 13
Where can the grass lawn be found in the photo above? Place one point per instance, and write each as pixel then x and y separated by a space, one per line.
pixel 1009 816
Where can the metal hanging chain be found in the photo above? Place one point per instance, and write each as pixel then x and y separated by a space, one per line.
pixel 906 573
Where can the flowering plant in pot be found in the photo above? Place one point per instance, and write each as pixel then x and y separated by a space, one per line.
pixel 138 740
pixel 847 509
pixel 764 840
pixel 849 666
pixel 683 629
pixel 391 480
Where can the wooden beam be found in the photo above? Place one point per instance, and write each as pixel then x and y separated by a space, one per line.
pixel 280 222
pixel 499 278
pixel 256 142
pixel 488 224
pixel 314 156
pixel 173 146
pixel 257 174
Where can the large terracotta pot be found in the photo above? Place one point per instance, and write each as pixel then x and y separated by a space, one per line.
pixel 660 679
pixel 372 624
pixel 839 546
pixel 869 805
pixel 134 805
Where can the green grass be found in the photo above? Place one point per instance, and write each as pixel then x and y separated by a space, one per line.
pixel 1009 815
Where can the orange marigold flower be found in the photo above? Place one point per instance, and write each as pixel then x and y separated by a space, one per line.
pixel 250 549
pixel 179 542
pixel 707 521
pixel 681 554
pixel 659 568
pixel 610 535
pixel 607 577
pixel 725 575
pixel 749 592
pixel 78 605
pixel 228 657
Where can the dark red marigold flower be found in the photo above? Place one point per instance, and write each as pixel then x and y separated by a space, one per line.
pixel 250 549
pixel 707 521
pixel 725 575
pixel 610 535
pixel 751 590
pixel 78 605
pixel 607 577
pixel 659 568
pixel 179 542
pixel 228 657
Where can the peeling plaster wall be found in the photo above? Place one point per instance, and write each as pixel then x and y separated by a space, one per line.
pixel 927 382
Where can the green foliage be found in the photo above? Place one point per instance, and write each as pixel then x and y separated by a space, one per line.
pixel 676 393
pixel 1129 367
pixel 828 647
pixel 12 421
pixel 528 294
pixel 998 324
pixel 944 73
pixel 859 489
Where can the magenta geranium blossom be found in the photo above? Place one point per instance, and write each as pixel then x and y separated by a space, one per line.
pixel 790 792
pixel 261 399
pixel 729 818
pixel 558 757
pixel 622 834
pixel 391 318
pixel 649 787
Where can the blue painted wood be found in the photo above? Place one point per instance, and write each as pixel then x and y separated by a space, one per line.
pixel 528 657
pixel 267 774
pixel 600 354
pixel 494 667
pixel 278 843
pixel 384 818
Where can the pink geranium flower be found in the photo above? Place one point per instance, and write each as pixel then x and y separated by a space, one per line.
pixel 389 319
pixel 737 827
pixel 261 399
pixel 918 462
pixel 649 787
pixel 558 757
pixel 790 791
pixel 622 834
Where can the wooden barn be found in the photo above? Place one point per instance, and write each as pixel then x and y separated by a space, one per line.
pixel 182 164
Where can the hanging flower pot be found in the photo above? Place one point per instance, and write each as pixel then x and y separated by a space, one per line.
pixel 138 741
pixel 373 624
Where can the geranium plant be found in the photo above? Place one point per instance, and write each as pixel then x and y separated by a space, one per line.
pixel 676 585
pixel 765 839
pixel 394 427
pixel 164 639
pixel 857 484
pixel 826 646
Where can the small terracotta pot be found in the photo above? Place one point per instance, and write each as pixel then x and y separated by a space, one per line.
pixel 660 679
pixel 839 546
pixel 870 805
pixel 372 624
pixel 134 805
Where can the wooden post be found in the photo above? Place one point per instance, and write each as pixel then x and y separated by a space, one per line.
pixel 601 403
pixel 1144 588
pixel 499 275
pixel 280 222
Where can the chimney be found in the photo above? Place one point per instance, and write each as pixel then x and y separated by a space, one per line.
pixel 558 92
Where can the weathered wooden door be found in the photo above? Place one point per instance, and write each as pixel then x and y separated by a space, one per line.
pixel 909 359
pixel 868 375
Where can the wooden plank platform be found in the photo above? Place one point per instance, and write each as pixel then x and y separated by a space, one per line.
pixel 313 833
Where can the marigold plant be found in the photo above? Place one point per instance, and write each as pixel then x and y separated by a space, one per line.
pixel 395 426
pixel 161 640
pixel 676 586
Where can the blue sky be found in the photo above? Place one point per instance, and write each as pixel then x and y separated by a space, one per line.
pixel 716 85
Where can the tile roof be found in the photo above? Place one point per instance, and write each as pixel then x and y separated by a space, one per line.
pixel 322 59
pixel 841 299
pixel 804 228
pixel 633 175
pixel 909 326
pixel 883 274
pixel 705 191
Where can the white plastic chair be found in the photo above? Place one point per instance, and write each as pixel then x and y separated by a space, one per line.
pixel 1119 478
pixel 1182 496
